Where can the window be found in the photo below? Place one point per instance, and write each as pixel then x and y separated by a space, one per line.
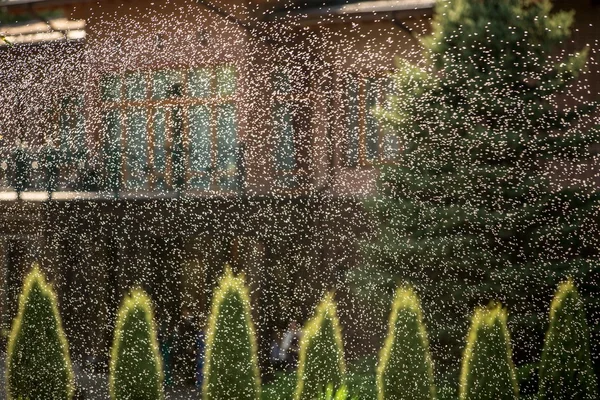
pixel 66 153
pixel 112 148
pixel 283 127
pixel 137 163
pixel 171 129
pixel 71 126
pixel 368 140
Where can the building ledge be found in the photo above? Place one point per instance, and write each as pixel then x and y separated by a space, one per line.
pixel 362 9
pixel 41 196
pixel 9 195
pixel 52 30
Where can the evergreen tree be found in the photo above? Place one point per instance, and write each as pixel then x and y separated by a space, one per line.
pixel 135 364
pixel 405 370
pixel 321 353
pixel 38 366
pixel 566 368
pixel 487 368
pixel 231 369
pixel 473 209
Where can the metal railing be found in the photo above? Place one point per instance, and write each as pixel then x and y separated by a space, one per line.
pixel 46 169
pixel 50 169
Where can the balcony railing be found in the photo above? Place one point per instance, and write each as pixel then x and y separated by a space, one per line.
pixel 47 169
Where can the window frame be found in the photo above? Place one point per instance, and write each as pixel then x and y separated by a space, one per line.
pixel 296 100
pixel 361 78
pixel 67 158
pixel 168 105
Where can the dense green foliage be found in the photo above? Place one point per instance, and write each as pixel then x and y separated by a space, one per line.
pixel 38 366
pixel 360 381
pixel 566 368
pixel 231 366
pixel 280 387
pixel 341 394
pixel 135 365
pixel 361 377
pixel 487 368
pixel 321 353
pixel 405 369
pixel 473 209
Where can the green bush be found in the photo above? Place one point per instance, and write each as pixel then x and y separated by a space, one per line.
pixel 487 368
pixel 281 387
pixel 231 369
pixel 361 377
pixel 135 365
pixel 566 368
pixel 405 370
pixel 467 210
pixel 340 394
pixel 321 353
pixel 38 366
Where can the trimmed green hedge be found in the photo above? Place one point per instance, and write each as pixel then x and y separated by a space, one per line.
pixel 321 353
pixel 566 370
pixel 231 369
pixel 38 366
pixel 487 368
pixel 405 363
pixel 135 365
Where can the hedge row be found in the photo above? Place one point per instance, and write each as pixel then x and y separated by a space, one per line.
pixel 39 368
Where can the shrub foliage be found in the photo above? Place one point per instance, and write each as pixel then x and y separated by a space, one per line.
pixel 487 368
pixel 231 366
pixel 566 370
pixel 470 210
pixel 340 394
pixel 405 370
pixel 38 364
pixel 135 365
pixel 321 353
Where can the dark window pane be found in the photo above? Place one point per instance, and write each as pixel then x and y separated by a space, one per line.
pixel 281 82
pixel 352 124
pixel 371 123
pixel 112 148
pixel 137 148
pixel 285 159
pixel 135 86
pixel 200 82
pixel 166 84
pixel 72 129
pixel 200 182
pixel 200 140
pixel 160 147
pixel 176 126
pixel 226 81
pixel 226 137
pixel 110 88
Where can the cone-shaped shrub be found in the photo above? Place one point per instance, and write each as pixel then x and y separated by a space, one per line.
pixel 321 353
pixel 405 370
pixel 38 365
pixel 487 368
pixel 231 366
pixel 135 364
pixel 566 369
